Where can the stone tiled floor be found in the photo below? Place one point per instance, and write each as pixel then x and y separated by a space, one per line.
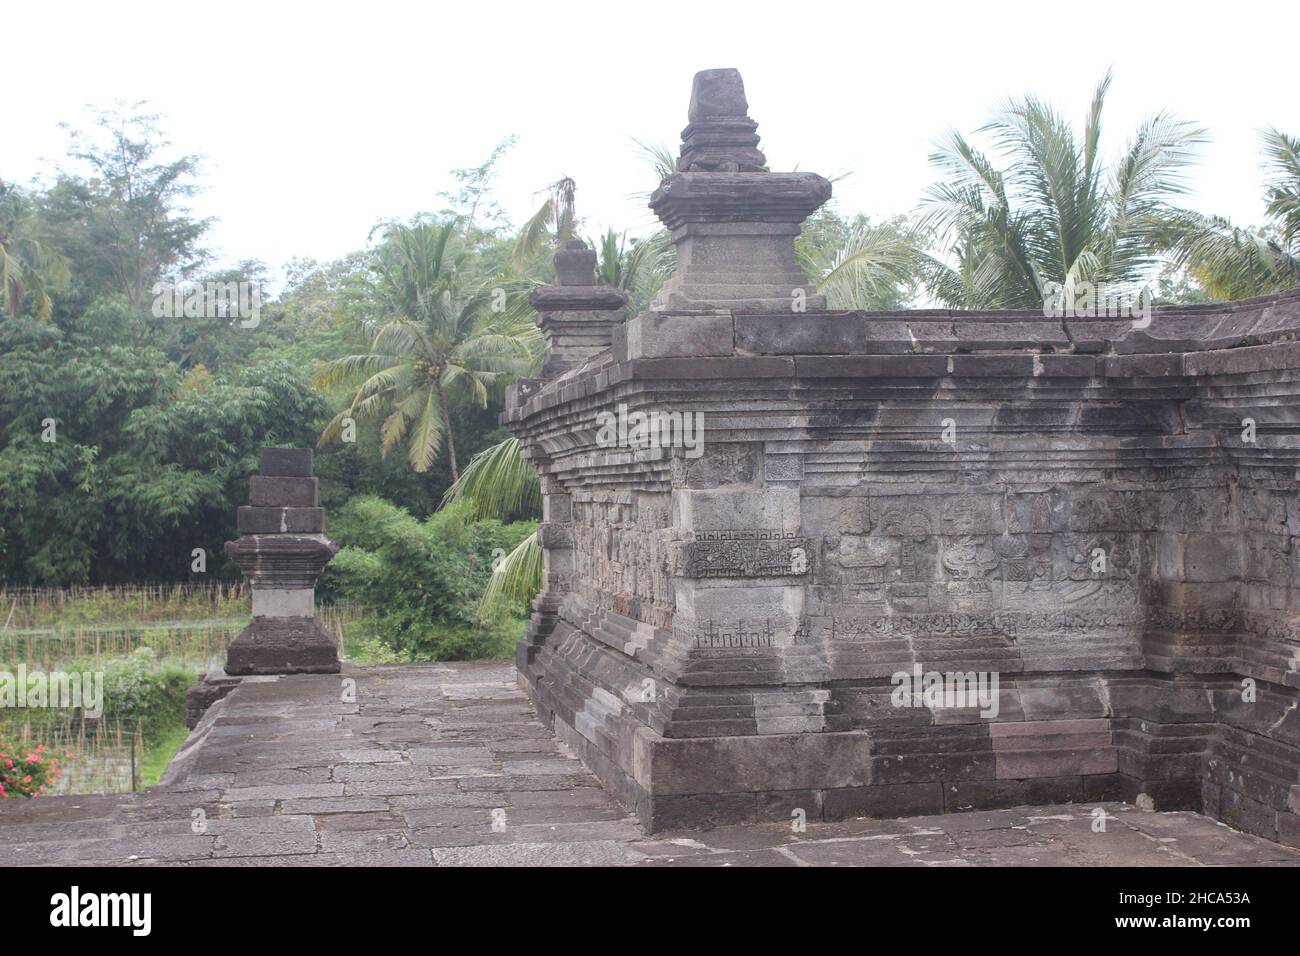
pixel 448 765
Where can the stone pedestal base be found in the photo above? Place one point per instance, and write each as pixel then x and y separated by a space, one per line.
pixel 283 645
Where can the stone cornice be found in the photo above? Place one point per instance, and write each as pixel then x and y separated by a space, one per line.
pixel 687 198
pixel 1182 345
pixel 571 298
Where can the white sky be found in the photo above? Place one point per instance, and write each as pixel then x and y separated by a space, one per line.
pixel 318 119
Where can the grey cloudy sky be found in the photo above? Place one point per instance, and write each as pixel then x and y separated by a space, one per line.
pixel 318 119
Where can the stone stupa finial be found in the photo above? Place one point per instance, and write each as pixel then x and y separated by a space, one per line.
pixel 576 316
pixel 720 137
pixel 575 264
pixel 733 222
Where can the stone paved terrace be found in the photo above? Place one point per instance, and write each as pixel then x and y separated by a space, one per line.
pixel 286 773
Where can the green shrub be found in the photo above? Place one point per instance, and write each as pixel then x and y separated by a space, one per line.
pixel 135 693
pixel 419 582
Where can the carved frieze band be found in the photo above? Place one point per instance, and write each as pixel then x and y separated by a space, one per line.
pixel 746 554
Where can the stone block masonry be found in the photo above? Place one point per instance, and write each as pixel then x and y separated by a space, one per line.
pixel 1073 506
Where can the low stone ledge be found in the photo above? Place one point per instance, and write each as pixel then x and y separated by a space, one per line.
pixel 668 335
pixel 1065 366
pixel 707 369
pixel 872 366
pixel 212 687
pixel 1257 358
pixel 834 333
pixel 1147 365
pixel 991 366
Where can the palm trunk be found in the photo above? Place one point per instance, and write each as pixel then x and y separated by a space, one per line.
pixel 451 439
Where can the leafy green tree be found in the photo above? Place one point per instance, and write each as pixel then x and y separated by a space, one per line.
pixel 124 220
pixel 115 464
pixel 1054 211
pixel 419 581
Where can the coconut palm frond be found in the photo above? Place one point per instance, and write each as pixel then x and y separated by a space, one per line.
pixel 554 223
pixel 475 382
pixel 867 268
pixel 348 369
pixel 438 339
pixel 1282 190
pixel 426 433
pixel 29 269
pixel 1233 262
pixel 514 582
pixel 499 483
pixel 1044 208
pixel 658 156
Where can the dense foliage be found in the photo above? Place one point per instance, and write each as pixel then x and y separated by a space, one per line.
pixel 140 696
pixel 128 432
pixel 421 579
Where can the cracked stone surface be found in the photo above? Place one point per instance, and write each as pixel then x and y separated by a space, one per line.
pixel 448 765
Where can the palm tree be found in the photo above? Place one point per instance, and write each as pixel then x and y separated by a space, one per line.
pixel 1054 213
pixel 28 269
pixel 436 340
pixel 1231 262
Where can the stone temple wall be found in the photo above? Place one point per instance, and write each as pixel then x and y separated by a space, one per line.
pixel 923 491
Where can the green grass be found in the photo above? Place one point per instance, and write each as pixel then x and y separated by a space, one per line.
pixel 160 753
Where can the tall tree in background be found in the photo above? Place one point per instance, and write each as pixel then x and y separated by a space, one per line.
pixel 472 201
pixel 436 340
pixel 1231 262
pixel 1054 212
pixel 123 219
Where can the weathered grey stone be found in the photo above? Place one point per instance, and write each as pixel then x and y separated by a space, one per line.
pixel 282 551
pixel 254 520
pixel 1067 505
pixel 280 492
pixel 293 462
